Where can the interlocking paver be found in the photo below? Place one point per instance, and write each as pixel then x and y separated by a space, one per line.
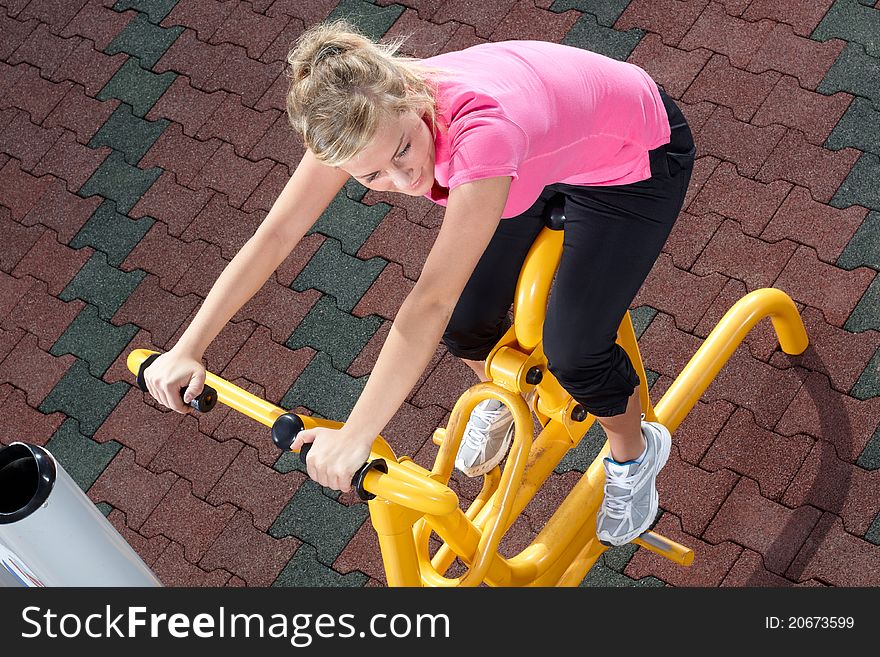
pixel 31 369
pixel 855 72
pixel 44 50
pixel 136 86
pixel 813 114
pixel 305 569
pixel 155 9
pixel 341 335
pixel 144 40
pixel 95 341
pixel 748 145
pixel 234 123
pixel 148 549
pixel 81 114
pixel 244 76
pixel 21 422
pixel 184 518
pixel 859 128
pixel 97 23
pixel 154 309
pixel 204 17
pixel 184 156
pixel 672 68
pixel 186 105
pixel 80 395
pixel 112 233
pixel 868 384
pixel 268 364
pixel 714 561
pixel 54 12
pixel 193 58
pixel 831 484
pixel 666 349
pixel 386 295
pixel 117 180
pixel 851 20
pixel 174 568
pixel 749 570
pixel 789 53
pixel 83 459
pixel 15 32
pixel 128 134
pixel 18 240
pixel 352 223
pixel 56 208
pixel 820 411
pixel 71 161
pixel 815 224
pixel 834 291
pixel 171 203
pixel 587 33
pixel 829 553
pixel 699 428
pixel 320 521
pixel 742 91
pixel 232 175
pixel 27 142
pixel 268 191
pixel 527 21
pixel 336 273
pixel 126 423
pixel 90 68
pixel 131 488
pixel 163 255
pixel 718 31
pixel 859 187
pixel 102 285
pixel 802 15
pixel 866 314
pixel 605 12
pixel 324 389
pixel 669 18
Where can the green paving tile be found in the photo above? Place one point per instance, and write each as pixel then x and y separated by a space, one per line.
pixel 84 397
pixel 137 86
pixel 355 190
pixel 102 285
pixel 873 533
pixel 112 233
pixel 606 12
pixel 318 520
pixel 858 128
pixel 350 222
pixel 601 575
pixel 579 458
pixel 870 456
pixel 618 556
pixel 866 314
pixel 129 134
pixel 325 390
pixel 104 508
pixel 860 185
pixel 345 277
pixel 144 40
pixel 337 333
pixel 851 20
pixel 854 72
pixel 651 376
pixel 587 33
pixel 81 457
pixel 117 180
pixel 863 249
pixel 97 342
pixel 304 569
pixel 642 318
pixel 868 384
pixel 371 20
pixel 155 9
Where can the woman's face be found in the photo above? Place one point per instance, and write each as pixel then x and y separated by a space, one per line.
pixel 399 159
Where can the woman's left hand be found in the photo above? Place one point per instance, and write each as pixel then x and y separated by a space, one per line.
pixel 335 456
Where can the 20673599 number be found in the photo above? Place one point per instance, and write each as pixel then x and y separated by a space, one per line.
pixel 809 622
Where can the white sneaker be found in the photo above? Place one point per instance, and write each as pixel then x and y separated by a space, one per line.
pixel 631 501
pixel 486 438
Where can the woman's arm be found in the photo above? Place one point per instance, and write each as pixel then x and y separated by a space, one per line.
pixel 471 217
pixel 305 196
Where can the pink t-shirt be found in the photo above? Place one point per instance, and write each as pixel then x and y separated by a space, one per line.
pixel 542 113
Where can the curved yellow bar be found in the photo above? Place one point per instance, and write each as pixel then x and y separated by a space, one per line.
pixel 533 287
pixel 719 346
pixel 401 485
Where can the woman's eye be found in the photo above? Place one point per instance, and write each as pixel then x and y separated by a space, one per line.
pixel 404 151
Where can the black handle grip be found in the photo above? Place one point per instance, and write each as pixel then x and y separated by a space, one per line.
pixel 285 430
pixel 203 403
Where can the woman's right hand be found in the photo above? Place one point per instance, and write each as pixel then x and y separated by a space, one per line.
pixel 169 373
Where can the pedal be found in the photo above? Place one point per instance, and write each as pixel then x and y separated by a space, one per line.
pixel 438 436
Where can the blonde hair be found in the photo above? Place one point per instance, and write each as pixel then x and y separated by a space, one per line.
pixel 343 86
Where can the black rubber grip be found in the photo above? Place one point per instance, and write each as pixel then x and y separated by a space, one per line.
pixel 357 481
pixel 203 403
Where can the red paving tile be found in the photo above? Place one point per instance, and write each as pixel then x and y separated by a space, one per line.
pixel 802 15
pixel 42 314
pixel 711 562
pixel 362 554
pixel 71 161
pixel 264 196
pixel 423 38
pixel 173 204
pixel 825 228
pixel 832 290
pixel 672 68
pixel 138 425
pixel 699 428
pixel 722 33
pixel 268 364
pixel 822 412
pixel 364 362
pixel 279 308
pixel 749 202
pixel 280 144
pixel 482 16
pixel 182 155
pixel 62 211
pixel 244 27
pixel 239 125
pixel 804 58
pixel 148 550
pixel 154 309
pixel 745 144
pixel 20 422
pixel 44 50
pixel 232 425
pixel 526 21
pixel 34 94
pixel 243 76
pixel 831 484
pixel 841 355
pixel 666 349
pixel 769 458
pixel 54 12
pixel 253 555
pixel 27 142
pixel 188 520
pixel 15 33
pixel 163 255
pixel 18 240
pixel 21 190
pixel 175 570
pixel 134 490
pixel 81 114
pixel 811 113
pixel 203 16
pixel 30 368
pixel 445 384
pixel 749 571
pixel 670 18
pixel 772 530
pixel 90 68
pixel 465 37
pixel 118 371
pixel 386 295
pixel 689 236
pixel 193 58
pixel 723 84
pixel 229 174
pixel 412 427
pixel 280 47
pixel 198 458
pixel 186 105
pixel 833 556
pixel 98 23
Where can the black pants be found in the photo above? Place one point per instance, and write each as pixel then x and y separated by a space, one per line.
pixel 613 236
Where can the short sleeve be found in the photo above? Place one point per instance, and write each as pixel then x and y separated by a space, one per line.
pixel 485 145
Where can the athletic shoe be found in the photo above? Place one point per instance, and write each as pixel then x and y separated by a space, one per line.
pixel 486 438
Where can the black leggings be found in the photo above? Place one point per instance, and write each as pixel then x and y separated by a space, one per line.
pixel 613 236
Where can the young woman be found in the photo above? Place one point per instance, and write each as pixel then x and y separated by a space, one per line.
pixel 493 133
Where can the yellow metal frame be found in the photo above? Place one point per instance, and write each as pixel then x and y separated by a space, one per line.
pixel 412 503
